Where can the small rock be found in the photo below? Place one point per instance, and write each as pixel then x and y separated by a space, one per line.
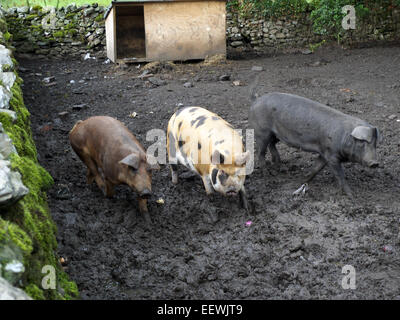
pixel 48 79
pixel 224 77
pixel 146 74
pixel 63 113
pixel 22 69
pixel 392 117
pixel 11 113
pixel 156 81
pixel 8 292
pixel 306 51
pixel 188 84
pixel 79 106
pixel 237 83
pixel 257 68
pixel 63 192
pixel 77 91
pixel 236 43
pixel 316 64
pixel 51 84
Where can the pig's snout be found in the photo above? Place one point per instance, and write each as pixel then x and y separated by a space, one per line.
pixel 146 193
pixel 231 192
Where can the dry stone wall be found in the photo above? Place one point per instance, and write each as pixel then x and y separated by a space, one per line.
pixel 27 231
pixel 74 31
pixel 297 32
pixel 69 31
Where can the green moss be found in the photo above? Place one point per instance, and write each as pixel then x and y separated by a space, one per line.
pixel 34 292
pixel 59 34
pixel 28 223
pixel 19 37
pixel 16 64
pixel 37 8
pixel 31 17
pixel 3 26
pixel 11 232
pixel 7 68
pixel 70 15
pixel 7 36
pixel 69 287
pixel 36 27
pixel 99 18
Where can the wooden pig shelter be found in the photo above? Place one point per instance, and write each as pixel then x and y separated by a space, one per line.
pixel 164 30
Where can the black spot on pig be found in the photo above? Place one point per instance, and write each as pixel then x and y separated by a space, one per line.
pixel 193 109
pixel 199 145
pixel 222 158
pixel 179 125
pixel 214 176
pixel 223 177
pixel 200 120
pixel 215 118
pixel 181 143
pixel 219 142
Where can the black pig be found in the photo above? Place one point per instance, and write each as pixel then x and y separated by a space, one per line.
pixel 313 127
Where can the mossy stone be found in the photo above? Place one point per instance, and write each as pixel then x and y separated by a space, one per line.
pixel 28 224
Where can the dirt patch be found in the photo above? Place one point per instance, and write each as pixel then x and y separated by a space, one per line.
pixel 202 248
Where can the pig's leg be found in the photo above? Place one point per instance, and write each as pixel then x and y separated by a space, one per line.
pixel 337 170
pixel 92 167
pixel 262 144
pixel 207 185
pixel 276 159
pixel 110 191
pixel 319 165
pixel 243 199
pixel 89 176
pixel 174 173
pixel 143 209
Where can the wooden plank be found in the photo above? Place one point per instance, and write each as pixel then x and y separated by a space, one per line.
pixel 111 36
pixel 184 30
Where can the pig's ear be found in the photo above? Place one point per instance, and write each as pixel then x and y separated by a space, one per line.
pixel 242 158
pixel 378 135
pixel 363 133
pixel 152 162
pixel 132 160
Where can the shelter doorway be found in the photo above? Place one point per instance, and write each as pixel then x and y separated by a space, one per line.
pixel 130 32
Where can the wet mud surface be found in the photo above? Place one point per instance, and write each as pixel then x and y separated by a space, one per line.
pixel 200 247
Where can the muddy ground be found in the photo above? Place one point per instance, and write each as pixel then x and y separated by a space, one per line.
pixel 199 247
